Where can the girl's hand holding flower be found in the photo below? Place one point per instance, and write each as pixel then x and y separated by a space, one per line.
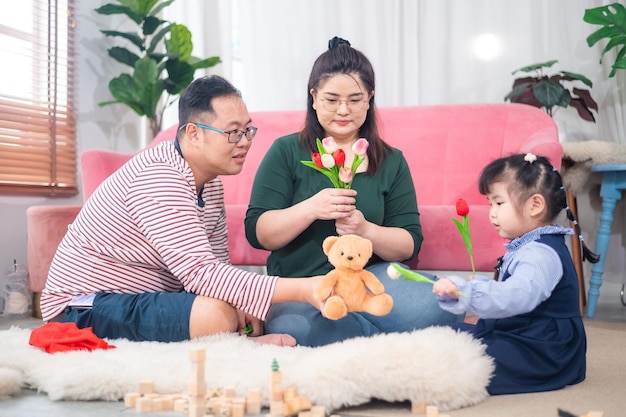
pixel 444 287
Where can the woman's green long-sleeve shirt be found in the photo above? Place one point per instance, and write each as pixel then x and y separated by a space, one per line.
pixel 386 199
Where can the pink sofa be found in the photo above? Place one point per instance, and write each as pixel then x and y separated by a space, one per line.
pixel 446 147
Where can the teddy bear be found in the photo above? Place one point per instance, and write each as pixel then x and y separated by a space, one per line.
pixel 349 287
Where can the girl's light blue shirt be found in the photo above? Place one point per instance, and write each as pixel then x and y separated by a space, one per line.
pixel 535 269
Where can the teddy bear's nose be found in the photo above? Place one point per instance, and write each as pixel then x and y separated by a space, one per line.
pixel 350 257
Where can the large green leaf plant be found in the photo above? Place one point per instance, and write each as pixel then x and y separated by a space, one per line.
pixel 160 58
pixel 549 91
pixel 613 20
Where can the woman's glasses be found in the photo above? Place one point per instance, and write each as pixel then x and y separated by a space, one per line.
pixel 353 104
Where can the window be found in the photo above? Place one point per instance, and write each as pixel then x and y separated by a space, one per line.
pixel 37 125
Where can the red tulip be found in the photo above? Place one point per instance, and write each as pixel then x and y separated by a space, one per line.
pixel 462 209
pixel 340 157
pixel 317 158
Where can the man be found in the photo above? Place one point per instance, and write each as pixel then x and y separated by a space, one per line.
pixel 147 256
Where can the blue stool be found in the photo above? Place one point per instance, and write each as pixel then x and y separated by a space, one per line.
pixel 613 182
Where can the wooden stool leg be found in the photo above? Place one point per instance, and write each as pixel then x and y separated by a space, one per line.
pixel 577 255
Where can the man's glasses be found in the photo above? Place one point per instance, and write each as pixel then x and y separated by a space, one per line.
pixel 353 104
pixel 234 136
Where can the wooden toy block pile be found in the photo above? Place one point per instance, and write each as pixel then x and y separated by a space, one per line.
pixel 202 402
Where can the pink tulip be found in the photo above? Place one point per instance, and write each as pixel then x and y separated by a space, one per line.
pixel 345 175
pixel 360 147
pixel 328 161
pixel 330 145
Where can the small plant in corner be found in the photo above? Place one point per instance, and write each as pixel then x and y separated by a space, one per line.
pixel 160 59
pixel 549 91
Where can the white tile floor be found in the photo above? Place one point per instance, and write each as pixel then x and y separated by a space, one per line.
pixel 32 404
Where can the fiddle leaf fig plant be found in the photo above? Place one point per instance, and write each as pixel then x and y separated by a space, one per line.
pixel 549 91
pixel 613 20
pixel 160 59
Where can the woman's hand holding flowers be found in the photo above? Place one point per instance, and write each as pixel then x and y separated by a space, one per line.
pixel 331 204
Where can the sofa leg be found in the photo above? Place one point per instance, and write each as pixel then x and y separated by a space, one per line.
pixel 37 305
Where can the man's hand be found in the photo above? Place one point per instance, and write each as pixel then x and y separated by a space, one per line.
pixel 249 325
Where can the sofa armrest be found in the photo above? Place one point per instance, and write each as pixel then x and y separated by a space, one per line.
pixel 46 226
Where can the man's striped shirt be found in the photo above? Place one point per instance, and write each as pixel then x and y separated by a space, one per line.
pixel 143 230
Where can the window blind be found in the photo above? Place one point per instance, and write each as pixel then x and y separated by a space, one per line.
pixel 37 125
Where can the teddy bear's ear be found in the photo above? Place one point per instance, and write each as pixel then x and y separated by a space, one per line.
pixel 328 243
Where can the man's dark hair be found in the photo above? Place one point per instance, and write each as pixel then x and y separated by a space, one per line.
pixel 198 96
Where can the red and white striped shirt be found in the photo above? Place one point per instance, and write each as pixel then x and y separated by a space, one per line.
pixel 142 230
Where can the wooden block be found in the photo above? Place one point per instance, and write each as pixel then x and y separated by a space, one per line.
pixel 253 407
pixel 304 414
pixel 143 405
pixel 418 408
pixel 254 394
pixel 318 411
pixel 290 394
pixel 196 407
pixel 146 387
pixel 432 411
pixel 226 408
pixel 303 402
pixel 157 404
pixel 197 354
pixel 276 395
pixel 130 399
pixel 197 389
pixel 230 392
pixel 290 408
pixel 276 377
pixel 238 410
pixel 181 405
pixel 276 408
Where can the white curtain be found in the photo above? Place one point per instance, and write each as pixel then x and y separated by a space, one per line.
pixel 423 52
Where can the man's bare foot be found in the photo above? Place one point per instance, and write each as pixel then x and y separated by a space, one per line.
pixel 275 339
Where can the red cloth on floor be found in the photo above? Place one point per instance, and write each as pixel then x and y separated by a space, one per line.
pixel 62 337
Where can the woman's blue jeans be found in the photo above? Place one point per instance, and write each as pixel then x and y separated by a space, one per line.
pixel 414 307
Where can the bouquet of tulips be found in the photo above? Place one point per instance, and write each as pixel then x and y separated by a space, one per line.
pixel 330 161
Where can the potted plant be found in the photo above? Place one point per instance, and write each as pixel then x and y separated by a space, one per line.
pixel 613 20
pixel 160 60
pixel 547 91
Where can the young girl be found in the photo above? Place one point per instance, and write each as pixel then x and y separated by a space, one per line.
pixel 529 319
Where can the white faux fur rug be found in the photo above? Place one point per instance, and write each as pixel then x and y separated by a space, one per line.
pixel 436 365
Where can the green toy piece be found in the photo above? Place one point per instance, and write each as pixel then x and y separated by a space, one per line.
pixel 274 365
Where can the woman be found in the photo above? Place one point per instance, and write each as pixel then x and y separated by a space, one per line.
pixel 293 207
